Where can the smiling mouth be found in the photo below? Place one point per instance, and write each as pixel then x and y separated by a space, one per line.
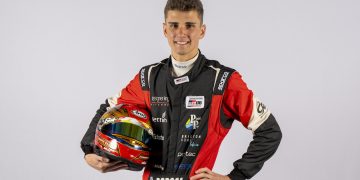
pixel 181 42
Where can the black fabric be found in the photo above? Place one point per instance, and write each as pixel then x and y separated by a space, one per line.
pixel 87 142
pixel 265 142
pixel 171 151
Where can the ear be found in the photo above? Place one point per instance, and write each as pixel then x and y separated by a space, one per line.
pixel 203 31
pixel 164 29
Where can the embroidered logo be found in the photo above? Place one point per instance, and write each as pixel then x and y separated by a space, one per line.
pixel 142 77
pixel 181 80
pixel 195 102
pixel 162 119
pixel 160 101
pixel 192 123
pixel 222 81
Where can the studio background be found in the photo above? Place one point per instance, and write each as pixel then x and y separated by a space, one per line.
pixel 59 60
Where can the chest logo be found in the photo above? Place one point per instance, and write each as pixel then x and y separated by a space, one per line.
pixel 160 101
pixel 181 80
pixel 192 123
pixel 195 102
pixel 161 119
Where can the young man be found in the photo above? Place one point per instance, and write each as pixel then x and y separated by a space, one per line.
pixel 199 98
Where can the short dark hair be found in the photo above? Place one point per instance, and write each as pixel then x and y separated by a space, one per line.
pixel 185 5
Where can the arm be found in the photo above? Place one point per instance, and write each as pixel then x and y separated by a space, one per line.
pixel 240 103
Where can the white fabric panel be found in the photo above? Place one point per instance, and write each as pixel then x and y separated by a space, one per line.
pixel 259 114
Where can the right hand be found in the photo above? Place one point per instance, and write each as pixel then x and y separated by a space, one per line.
pixel 103 164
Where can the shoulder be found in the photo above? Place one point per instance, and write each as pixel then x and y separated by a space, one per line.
pixel 216 65
pixel 154 65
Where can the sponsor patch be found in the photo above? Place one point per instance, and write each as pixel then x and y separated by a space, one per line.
pixel 259 114
pixel 161 119
pixel 222 81
pixel 186 154
pixel 142 77
pixel 192 123
pixel 193 144
pixel 139 114
pixel 158 137
pixel 160 101
pixel 167 178
pixel 195 102
pixel 181 80
pixel 188 138
pixel 183 166
pixel 159 166
pixel 180 66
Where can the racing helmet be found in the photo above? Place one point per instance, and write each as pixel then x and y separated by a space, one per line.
pixel 124 133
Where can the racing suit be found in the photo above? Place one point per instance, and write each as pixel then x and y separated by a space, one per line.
pixel 191 115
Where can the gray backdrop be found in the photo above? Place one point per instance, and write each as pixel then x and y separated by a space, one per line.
pixel 59 60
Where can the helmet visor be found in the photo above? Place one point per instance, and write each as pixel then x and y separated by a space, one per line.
pixel 127 132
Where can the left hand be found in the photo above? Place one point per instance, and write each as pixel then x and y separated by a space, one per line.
pixel 206 173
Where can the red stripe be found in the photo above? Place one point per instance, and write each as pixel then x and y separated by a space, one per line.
pixel 216 133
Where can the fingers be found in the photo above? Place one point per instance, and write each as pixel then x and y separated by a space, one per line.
pixel 104 159
pixel 206 173
pixel 115 167
pixel 202 173
pixel 103 164
pixel 204 170
pixel 201 176
pixel 95 157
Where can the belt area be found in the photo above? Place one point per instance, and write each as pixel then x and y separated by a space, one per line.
pixel 168 177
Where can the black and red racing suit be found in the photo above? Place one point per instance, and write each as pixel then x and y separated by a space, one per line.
pixel 191 115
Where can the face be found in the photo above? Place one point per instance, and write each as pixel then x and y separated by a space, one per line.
pixel 183 30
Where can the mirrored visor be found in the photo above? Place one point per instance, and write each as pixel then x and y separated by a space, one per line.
pixel 128 130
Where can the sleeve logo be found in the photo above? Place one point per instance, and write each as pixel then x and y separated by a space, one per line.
pixel 222 81
pixel 142 77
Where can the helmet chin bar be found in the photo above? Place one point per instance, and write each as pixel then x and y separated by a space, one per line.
pixel 131 166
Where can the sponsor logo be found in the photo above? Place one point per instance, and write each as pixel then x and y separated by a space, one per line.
pixel 181 80
pixel 107 121
pixel 222 81
pixel 193 144
pixel 194 102
pixel 192 123
pixel 261 108
pixel 183 166
pixel 108 145
pixel 142 77
pixel 158 137
pixel 187 154
pixel 159 166
pixel 188 138
pixel 163 119
pixel 167 178
pixel 151 132
pixel 139 114
pixel 180 66
pixel 160 101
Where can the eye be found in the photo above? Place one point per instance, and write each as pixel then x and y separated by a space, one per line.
pixel 174 26
pixel 189 26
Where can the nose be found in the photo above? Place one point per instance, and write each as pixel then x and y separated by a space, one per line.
pixel 181 30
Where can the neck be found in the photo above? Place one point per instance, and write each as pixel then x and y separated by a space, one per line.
pixel 180 68
pixel 184 58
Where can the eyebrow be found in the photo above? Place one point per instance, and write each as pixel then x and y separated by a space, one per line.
pixel 178 23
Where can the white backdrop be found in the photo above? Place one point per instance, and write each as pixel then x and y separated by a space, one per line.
pixel 59 60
